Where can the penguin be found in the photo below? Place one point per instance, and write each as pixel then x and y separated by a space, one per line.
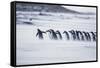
pixel 59 34
pixel 77 35
pixel 81 34
pixel 67 35
pixel 88 35
pixel 85 35
pixel 40 33
pixel 53 34
pixel 73 34
pixel 93 36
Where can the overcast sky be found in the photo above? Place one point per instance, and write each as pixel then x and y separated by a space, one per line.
pixel 81 9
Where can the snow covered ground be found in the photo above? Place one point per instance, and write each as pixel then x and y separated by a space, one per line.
pixel 31 50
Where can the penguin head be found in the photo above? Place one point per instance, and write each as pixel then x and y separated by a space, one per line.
pixel 64 32
pixel 48 31
pixel 38 29
pixel 57 31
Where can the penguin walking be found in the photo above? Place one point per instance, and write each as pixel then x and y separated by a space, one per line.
pixel 93 36
pixel 59 34
pixel 80 35
pixel 66 34
pixel 40 34
pixel 53 34
pixel 77 35
pixel 87 36
pixel 73 34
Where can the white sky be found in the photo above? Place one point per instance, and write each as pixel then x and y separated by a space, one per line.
pixel 81 9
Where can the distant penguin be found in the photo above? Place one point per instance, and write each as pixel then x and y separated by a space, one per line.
pixel 78 35
pixel 59 34
pixel 95 33
pixel 85 34
pixel 81 34
pixel 88 35
pixel 40 33
pixel 93 36
pixel 67 35
pixel 53 34
pixel 49 34
pixel 73 34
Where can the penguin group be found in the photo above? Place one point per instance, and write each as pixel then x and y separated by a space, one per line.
pixel 75 34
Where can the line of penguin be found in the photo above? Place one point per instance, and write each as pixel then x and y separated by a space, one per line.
pixel 76 35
